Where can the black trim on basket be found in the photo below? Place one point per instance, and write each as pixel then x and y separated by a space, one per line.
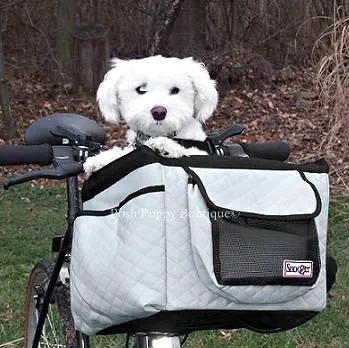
pixel 142 156
pixel 142 191
pixel 195 177
pixel 186 321
pixel 317 194
pixel 96 212
pixel 114 171
pixel 235 162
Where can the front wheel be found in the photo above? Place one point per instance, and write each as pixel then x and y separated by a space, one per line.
pixel 58 330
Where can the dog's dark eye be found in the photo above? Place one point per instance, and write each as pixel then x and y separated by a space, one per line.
pixel 141 89
pixel 174 90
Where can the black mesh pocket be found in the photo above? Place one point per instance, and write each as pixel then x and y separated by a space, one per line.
pixel 254 251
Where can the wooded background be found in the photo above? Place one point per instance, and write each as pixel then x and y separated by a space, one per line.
pixel 70 41
pixel 38 33
pixel 281 66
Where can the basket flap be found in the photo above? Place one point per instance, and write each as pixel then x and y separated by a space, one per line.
pixel 272 193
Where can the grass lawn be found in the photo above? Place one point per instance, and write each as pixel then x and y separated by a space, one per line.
pixel 30 217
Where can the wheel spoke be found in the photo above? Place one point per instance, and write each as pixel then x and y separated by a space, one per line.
pixel 50 313
pixel 58 318
pixel 44 337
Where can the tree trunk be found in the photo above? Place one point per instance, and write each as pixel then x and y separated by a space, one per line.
pixel 91 54
pixel 263 8
pixel 164 19
pixel 66 12
pixel 236 24
pixel 188 36
pixel 9 127
pixel 96 8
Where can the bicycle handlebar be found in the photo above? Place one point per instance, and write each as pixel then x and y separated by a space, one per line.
pixel 276 150
pixel 25 154
pixel 67 161
pixel 62 158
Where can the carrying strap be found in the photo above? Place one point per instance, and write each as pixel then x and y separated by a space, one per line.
pixel 201 145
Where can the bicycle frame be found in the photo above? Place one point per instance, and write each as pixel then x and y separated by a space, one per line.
pixel 74 205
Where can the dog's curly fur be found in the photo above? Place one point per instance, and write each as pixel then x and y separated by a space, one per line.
pixel 160 97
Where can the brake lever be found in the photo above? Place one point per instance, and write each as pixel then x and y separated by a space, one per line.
pixel 64 166
pixel 215 140
pixel 49 173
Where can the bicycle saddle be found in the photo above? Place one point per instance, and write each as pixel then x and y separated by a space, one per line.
pixel 76 128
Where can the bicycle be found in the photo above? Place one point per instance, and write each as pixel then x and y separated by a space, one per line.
pixel 65 141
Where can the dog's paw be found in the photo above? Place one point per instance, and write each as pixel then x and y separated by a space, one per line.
pixel 92 164
pixel 166 147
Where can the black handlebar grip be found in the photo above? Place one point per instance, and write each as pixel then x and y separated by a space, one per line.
pixel 275 150
pixel 25 154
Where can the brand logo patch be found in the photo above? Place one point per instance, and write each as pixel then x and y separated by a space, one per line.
pixel 297 269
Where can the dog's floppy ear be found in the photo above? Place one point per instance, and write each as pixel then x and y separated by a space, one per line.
pixel 107 97
pixel 206 95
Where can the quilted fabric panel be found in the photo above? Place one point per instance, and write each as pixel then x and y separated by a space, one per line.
pixel 191 280
pixel 184 288
pixel 256 297
pixel 150 257
pixel 118 265
pixel 265 192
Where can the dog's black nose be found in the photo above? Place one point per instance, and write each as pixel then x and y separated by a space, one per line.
pixel 158 112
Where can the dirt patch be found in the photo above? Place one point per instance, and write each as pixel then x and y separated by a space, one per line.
pixel 272 104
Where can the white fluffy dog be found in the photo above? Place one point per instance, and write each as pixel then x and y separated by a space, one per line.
pixel 160 99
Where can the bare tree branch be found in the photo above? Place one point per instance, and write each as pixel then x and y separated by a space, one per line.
pixel 163 24
pixel 49 48
pixel 5 6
